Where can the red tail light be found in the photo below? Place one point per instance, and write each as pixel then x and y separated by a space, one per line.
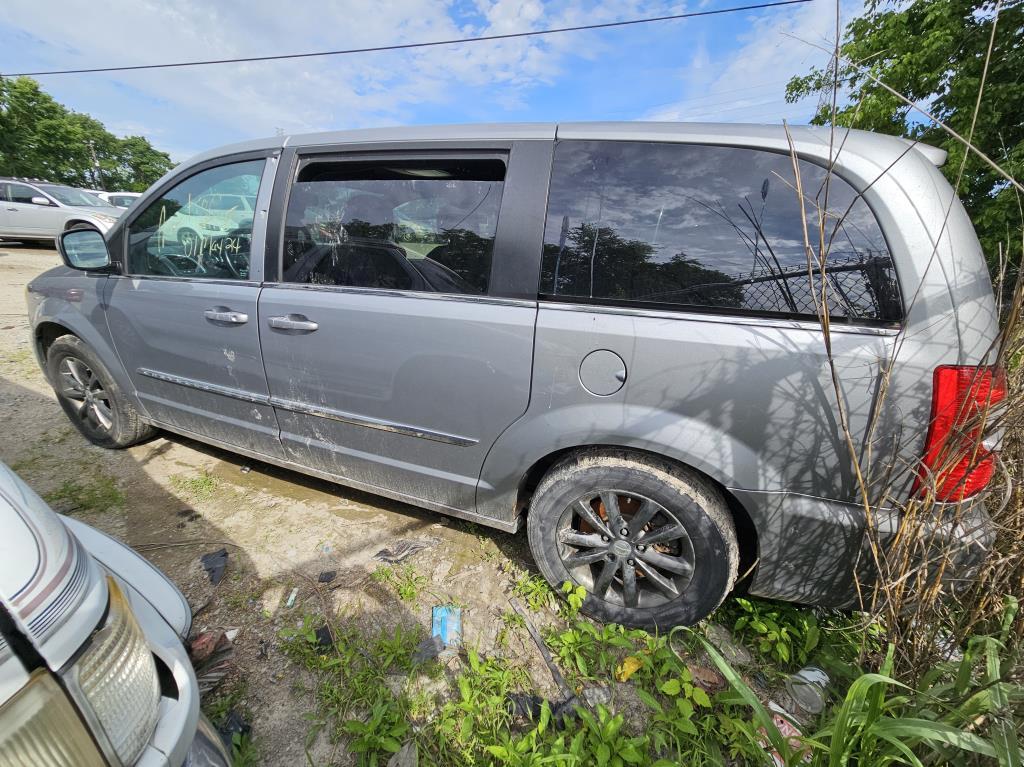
pixel 962 396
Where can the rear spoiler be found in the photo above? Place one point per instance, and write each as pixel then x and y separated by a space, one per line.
pixel 931 153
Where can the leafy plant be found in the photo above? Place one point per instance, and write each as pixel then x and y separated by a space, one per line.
pixel 961 709
pixel 933 52
pixel 592 651
pixel 406 582
pixel 511 621
pixel 574 598
pixel 244 752
pixel 534 591
pixel 778 631
pixel 604 742
pixel 674 723
pixel 536 747
pixel 379 733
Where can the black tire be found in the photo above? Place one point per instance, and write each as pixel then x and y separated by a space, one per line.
pixel 80 225
pixel 662 497
pixel 91 397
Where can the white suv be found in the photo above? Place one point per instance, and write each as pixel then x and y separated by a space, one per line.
pixel 38 210
pixel 92 668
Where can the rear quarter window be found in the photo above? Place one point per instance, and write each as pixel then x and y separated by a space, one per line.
pixel 706 227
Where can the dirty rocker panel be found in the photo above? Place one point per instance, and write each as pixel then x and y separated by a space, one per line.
pixel 506 525
pixel 306 409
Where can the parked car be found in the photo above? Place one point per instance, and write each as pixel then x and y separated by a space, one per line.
pixel 92 667
pixel 119 199
pixel 627 354
pixel 38 210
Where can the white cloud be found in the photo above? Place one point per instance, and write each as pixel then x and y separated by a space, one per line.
pixel 308 94
pixel 748 84
pixel 180 109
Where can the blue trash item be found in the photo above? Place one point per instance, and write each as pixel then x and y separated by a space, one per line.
pixel 446 624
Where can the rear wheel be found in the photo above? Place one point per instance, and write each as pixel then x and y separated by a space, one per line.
pixel 653 544
pixel 90 397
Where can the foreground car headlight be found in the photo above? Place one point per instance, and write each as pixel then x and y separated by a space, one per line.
pixel 115 683
pixel 40 727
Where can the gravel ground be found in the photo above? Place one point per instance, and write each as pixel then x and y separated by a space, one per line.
pixel 177 499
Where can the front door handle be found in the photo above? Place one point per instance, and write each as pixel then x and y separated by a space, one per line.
pixel 293 322
pixel 222 314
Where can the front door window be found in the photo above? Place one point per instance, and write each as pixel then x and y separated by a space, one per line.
pixel 202 228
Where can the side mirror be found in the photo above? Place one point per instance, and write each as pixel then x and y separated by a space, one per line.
pixel 38 200
pixel 84 249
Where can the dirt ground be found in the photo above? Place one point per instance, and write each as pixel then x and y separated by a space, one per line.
pixel 174 500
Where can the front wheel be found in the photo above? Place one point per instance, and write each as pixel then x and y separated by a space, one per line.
pixel 652 543
pixel 90 397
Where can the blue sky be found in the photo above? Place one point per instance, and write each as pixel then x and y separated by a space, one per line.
pixel 728 68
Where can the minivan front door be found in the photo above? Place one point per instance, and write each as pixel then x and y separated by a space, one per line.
pixel 184 315
pixel 391 365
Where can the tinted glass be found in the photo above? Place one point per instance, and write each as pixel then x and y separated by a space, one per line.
pixel 178 235
pixel 709 227
pixel 21 193
pixel 401 225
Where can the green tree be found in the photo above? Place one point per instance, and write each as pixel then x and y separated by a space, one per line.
pixel 933 52
pixel 41 138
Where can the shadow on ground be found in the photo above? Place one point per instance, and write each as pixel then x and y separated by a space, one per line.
pixel 175 499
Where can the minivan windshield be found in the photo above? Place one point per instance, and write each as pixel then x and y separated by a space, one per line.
pixel 77 197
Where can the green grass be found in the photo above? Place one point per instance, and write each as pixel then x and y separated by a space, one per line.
pixel 200 487
pixel 464 717
pixel 405 581
pixel 244 750
pixel 98 494
pixel 23 362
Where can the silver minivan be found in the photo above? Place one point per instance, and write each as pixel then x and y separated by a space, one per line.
pixel 609 331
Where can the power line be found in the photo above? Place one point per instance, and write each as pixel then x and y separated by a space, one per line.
pixel 407 46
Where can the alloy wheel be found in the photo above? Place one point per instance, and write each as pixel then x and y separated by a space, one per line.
pixel 625 548
pixel 80 385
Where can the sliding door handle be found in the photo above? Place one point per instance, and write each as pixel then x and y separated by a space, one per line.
pixel 293 322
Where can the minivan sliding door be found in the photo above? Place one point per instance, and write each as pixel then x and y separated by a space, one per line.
pixel 392 363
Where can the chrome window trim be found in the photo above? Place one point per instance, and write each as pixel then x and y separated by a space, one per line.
pixel 173 278
pixel 727 319
pixel 472 298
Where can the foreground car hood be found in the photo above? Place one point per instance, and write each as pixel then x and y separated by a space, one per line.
pixel 49 584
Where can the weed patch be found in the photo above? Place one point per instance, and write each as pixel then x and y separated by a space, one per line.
pixel 534 591
pixel 374 699
pixel 95 495
pixel 406 582
pixel 201 487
